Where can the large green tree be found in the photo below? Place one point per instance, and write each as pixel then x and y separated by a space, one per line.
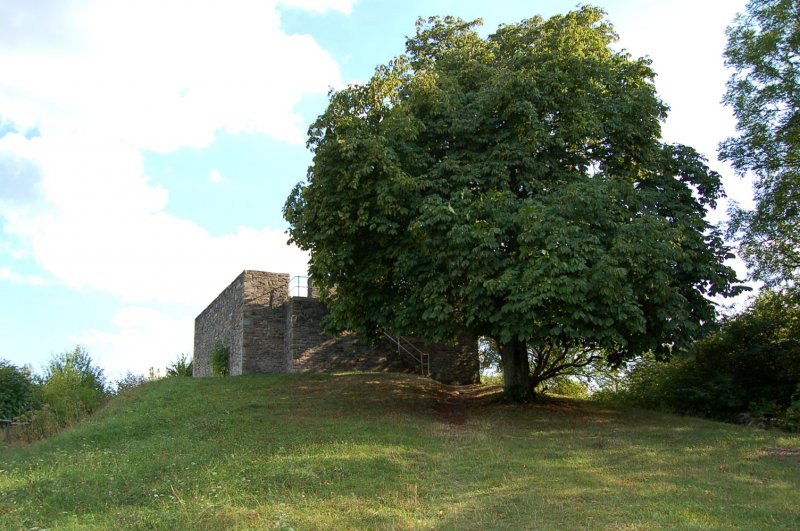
pixel 512 187
pixel 764 92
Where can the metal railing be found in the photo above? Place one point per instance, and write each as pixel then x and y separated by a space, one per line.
pixel 404 346
pixel 300 287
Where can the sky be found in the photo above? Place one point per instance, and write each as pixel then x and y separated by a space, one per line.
pixel 147 148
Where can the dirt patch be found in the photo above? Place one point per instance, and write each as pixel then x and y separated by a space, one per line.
pixel 783 453
pixel 454 402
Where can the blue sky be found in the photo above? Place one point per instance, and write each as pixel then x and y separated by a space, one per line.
pixel 146 148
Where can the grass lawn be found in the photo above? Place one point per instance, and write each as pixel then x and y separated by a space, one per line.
pixel 392 452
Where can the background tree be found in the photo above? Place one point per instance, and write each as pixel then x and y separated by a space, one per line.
pixel 18 393
pixel 764 92
pixel 512 187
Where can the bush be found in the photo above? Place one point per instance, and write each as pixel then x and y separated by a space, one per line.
pixel 128 382
pixel 181 367
pixel 752 365
pixel 73 386
pixel 789 420
pixel 566 386
pixel 645 383
pixel 220 357
pixel 748 369
pixel 17 390
pixel 492 378
pixel 39 424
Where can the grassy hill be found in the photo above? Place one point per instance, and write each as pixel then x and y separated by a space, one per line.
pixel 392 451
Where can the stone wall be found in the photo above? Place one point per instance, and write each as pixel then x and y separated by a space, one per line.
pixel 264 318
pixel 453 364
pixel 220 321
pixel 267 331
pixel 313 350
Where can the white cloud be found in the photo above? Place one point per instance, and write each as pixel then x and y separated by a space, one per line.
pixel 104 227
pixel 103 80
pixel 20 176
pixel 117 78
pixel 685 40
pixel 17 278
pixel 162 75
pixel 215 177
pixel 142 338
pixel 321 6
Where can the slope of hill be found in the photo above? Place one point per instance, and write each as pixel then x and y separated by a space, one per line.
pixel 392 451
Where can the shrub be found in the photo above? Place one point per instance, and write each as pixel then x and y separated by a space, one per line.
pixel 181 366
pixel 39 424
pixel 17 390
pixel 751 365
pixel 72 385
pixel 128 382
pixel 748 369
pixel 67 398
pixel 491 378
pixel 646 383
pixel 790 419
pixel 566 386
pixel 220 357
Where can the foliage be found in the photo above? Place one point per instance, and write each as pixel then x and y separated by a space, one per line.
pixel 566 386
pixel 68 398
pixel 790 419
pixel 39 423
pixel 129 382
pixel 220 355
pixel 374 451
pixel 644 382
pixel 488 356
pixel 514 187
pixel 79 362
pixel 72 385
pixel 491 378
pixel 551 369
pixel 764 92
pixel 180 367
pixel 601 378
pixel 17 390
pixel 750 368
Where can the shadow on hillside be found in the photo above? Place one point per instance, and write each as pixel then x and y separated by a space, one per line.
pixel 395 451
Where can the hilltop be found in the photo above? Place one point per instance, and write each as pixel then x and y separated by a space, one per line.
pixel 392 451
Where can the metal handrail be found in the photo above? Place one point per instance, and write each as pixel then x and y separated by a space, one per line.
pixel 299 286
pixel 424 359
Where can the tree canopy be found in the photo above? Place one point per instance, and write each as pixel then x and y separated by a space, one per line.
pixel 513 187
pixel 764 92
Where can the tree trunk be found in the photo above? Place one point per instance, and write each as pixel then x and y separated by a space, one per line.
pixel 516 370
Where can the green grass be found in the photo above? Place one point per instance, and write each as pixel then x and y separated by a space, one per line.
pixel 392 452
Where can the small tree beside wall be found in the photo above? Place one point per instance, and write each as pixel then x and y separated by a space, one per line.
pixel 220 356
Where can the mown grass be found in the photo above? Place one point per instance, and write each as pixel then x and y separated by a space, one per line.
pixel 392 451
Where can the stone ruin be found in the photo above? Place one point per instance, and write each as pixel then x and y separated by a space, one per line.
pixel 270 328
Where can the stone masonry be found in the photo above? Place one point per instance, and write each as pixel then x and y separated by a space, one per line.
pixel 268 331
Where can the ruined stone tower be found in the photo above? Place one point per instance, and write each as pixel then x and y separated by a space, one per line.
pixel 269 328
